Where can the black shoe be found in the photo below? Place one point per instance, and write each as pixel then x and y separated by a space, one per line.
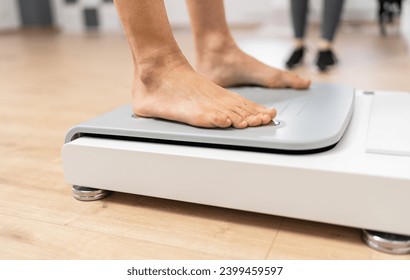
pixel 296 58
pixel 325 59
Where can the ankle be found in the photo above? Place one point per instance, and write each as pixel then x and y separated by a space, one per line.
pixel 150 67
pixel 214 46
pixel 299 43
pixel 324 45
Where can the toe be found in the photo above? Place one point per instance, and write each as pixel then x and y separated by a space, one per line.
pixel 218 119
pixel 241 124
pixel 254 120
pixel 236 119
pixel 267 116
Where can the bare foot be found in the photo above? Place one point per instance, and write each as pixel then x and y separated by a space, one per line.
pixel 170 89
pixel 226 65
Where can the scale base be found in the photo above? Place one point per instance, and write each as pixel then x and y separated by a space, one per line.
pixel 89 194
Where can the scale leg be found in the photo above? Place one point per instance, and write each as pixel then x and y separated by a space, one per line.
pixel 89 194
pixel 387 242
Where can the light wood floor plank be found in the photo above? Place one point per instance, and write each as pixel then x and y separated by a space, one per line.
pixel 26 239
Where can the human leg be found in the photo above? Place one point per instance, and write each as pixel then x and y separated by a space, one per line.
pixel 299 10
pixel 332 11
pixel 220 59
pixel 165 85
pixel 331 17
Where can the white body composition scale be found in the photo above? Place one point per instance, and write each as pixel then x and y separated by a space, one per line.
pixel 324 158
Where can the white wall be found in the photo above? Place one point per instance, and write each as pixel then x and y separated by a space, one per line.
pixel 405 20
pixel 69 17
pixel 237 11
pixel 9 15
pixel 259 11
pixel 352 10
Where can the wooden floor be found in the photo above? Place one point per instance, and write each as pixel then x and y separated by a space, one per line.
pixel 51 81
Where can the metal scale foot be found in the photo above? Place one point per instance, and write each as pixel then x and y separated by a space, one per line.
pixel 89 194
pixel 387 242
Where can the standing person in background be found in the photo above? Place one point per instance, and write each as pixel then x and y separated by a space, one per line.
pixel 330 20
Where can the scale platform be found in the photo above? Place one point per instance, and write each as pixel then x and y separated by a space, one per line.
pixel 312 163
pixel 307 121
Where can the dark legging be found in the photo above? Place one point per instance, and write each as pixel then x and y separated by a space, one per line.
pixel 330 18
